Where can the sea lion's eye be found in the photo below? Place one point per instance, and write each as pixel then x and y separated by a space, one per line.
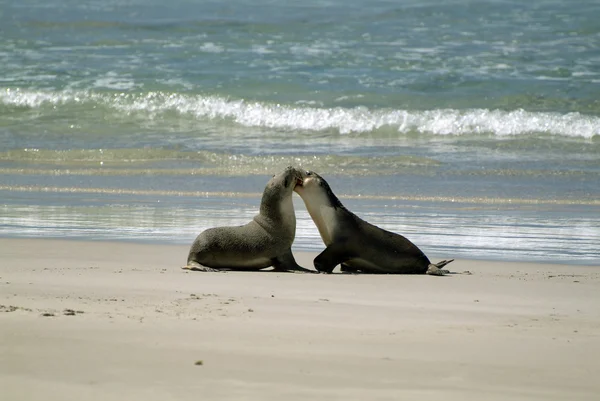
pixel 309 173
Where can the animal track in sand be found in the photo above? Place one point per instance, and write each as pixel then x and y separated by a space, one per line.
pixel 44 312
pixel 13 308
pixel 205 305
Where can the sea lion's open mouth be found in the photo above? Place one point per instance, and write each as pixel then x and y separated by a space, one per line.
pixel 299 178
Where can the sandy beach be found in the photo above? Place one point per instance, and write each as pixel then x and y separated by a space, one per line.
pixel 121 321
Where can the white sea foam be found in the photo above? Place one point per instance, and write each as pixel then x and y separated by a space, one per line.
pixel 33 99
pixel 313 50
pixel 343 120
pixel 261 49
pixel 112 80
pixel 210 47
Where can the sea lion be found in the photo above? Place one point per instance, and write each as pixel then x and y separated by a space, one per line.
pixel 354 243
pixel 263 242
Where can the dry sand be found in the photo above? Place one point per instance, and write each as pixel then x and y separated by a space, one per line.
pixel 125 323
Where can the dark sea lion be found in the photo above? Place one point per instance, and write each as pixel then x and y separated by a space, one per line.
pixel 263 242
pixel 355 244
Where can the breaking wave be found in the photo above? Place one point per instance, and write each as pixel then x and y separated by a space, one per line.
pixel 154 105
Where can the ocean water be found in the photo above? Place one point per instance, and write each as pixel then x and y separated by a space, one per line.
pixel 470 127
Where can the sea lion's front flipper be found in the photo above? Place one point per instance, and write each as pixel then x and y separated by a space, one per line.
pixel 286 263
pixel 344 268
pixel 332 256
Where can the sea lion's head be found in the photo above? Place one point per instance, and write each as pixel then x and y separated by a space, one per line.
pixel 278 192
pixel 285 182
pixel 314 189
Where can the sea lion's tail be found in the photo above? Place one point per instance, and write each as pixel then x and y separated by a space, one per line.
pixel 435 269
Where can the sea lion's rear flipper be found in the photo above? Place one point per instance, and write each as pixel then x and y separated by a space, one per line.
pixel 443 263
pixel 435 269
pixel 287 264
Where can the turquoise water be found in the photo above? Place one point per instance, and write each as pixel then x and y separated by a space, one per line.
pixel 471 127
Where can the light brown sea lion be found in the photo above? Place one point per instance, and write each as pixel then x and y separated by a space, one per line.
pixel 263 242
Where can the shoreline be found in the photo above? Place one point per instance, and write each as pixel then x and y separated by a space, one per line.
pixel 538 236
pixel 124 322
pixel 297 249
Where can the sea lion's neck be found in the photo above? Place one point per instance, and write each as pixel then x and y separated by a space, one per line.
pixel 322 212
pixel 287 213
pixel 279 211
